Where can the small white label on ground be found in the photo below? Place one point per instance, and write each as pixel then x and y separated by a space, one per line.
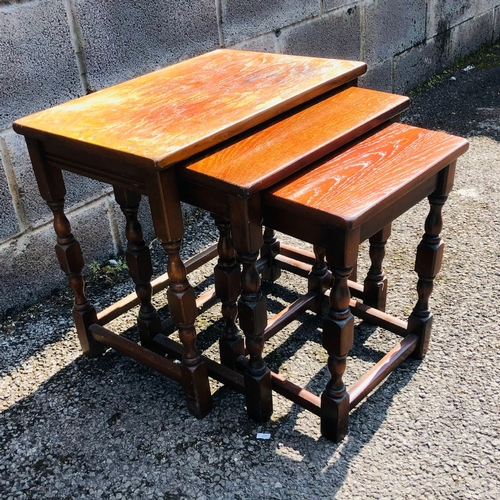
pixel 263 435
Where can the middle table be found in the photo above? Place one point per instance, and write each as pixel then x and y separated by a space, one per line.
pixel 228 181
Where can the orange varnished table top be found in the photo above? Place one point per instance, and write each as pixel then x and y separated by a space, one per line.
pixel 166 116
pixel 352 182
pixel 259 159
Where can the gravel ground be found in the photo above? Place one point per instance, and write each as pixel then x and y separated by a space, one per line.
pixel 73 427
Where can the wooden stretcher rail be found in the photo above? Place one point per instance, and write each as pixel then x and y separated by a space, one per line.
pixel 203 303
pixel 126 303
pixel 298 261
pixel 141 354
pixel 379 318
pixel 291 391
pixel 287 315
pixel 294 266
pixel 232 379
pixel 381 370
pixel 297 253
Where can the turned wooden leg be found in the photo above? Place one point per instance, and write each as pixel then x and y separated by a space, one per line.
pixel 51 186
pixel 338 335
pixel 247 237
pixel 375 285
pixel 227 275
pixel 319 278
pixel 169 228
pixel 71 261
pixel 428 261
pixel 182 305
pixel 270 249
pixel 427 265
pixel 253 322
pixel 139 266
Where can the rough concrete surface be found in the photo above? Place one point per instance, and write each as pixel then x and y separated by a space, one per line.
pixel 335 33
pixel 385 28
pixel 123 39
pixel 79 190
pixel 243 19
pixel 36 56
pixel 77 428
pixel 9 224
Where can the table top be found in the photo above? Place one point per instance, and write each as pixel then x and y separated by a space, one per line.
pixel 260 158
pixel 166 116
pixel 351 184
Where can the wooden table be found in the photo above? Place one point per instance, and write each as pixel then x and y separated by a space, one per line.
pixel 228 181
pixel 129 136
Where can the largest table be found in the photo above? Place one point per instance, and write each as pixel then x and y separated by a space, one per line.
pixel 130 136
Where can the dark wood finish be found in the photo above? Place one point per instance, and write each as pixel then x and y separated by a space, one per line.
pixel 68 251
pixel 375 284
pixel 227 376
pixel 203 303
pixel 289 313
pixel 227 276
pixel 295 266
pixel 305 256
pixel 246 220
pixel 235 381
pixel 268 117
pixel 378 318
pixel 381 370
pixel 428 262
pixel 338 336
pixel 126 303
pixel 139 265
pixel 128 136
pixel 273 155
pixel 141 354
pixel 225 170
pixel 337 203
pixel 269 250
pixel 319 278
pixel 292 391
pixel 168 224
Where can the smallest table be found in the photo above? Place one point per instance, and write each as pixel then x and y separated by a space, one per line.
pixel 129 136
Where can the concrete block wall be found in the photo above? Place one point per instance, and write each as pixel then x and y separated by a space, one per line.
pixel 55 50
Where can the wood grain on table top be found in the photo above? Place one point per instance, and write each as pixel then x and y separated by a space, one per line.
pixel 379 169
pixel 173 113
pixel 266 156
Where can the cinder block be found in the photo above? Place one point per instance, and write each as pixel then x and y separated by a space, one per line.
pixel 37 62
pixel 496 25
pixel 468 37
pixel 264 43
pixel 378 77
pixel 8 219
pixel 336 35
pixel 242 19
pixel 29 266
pixel 123 38
pixel 417 65
pixel 79 189
pixel 339 4
pixel 420 63
pixel 443 14
pixel 392 26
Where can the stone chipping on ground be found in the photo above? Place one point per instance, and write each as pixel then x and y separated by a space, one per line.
pixel 76 428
